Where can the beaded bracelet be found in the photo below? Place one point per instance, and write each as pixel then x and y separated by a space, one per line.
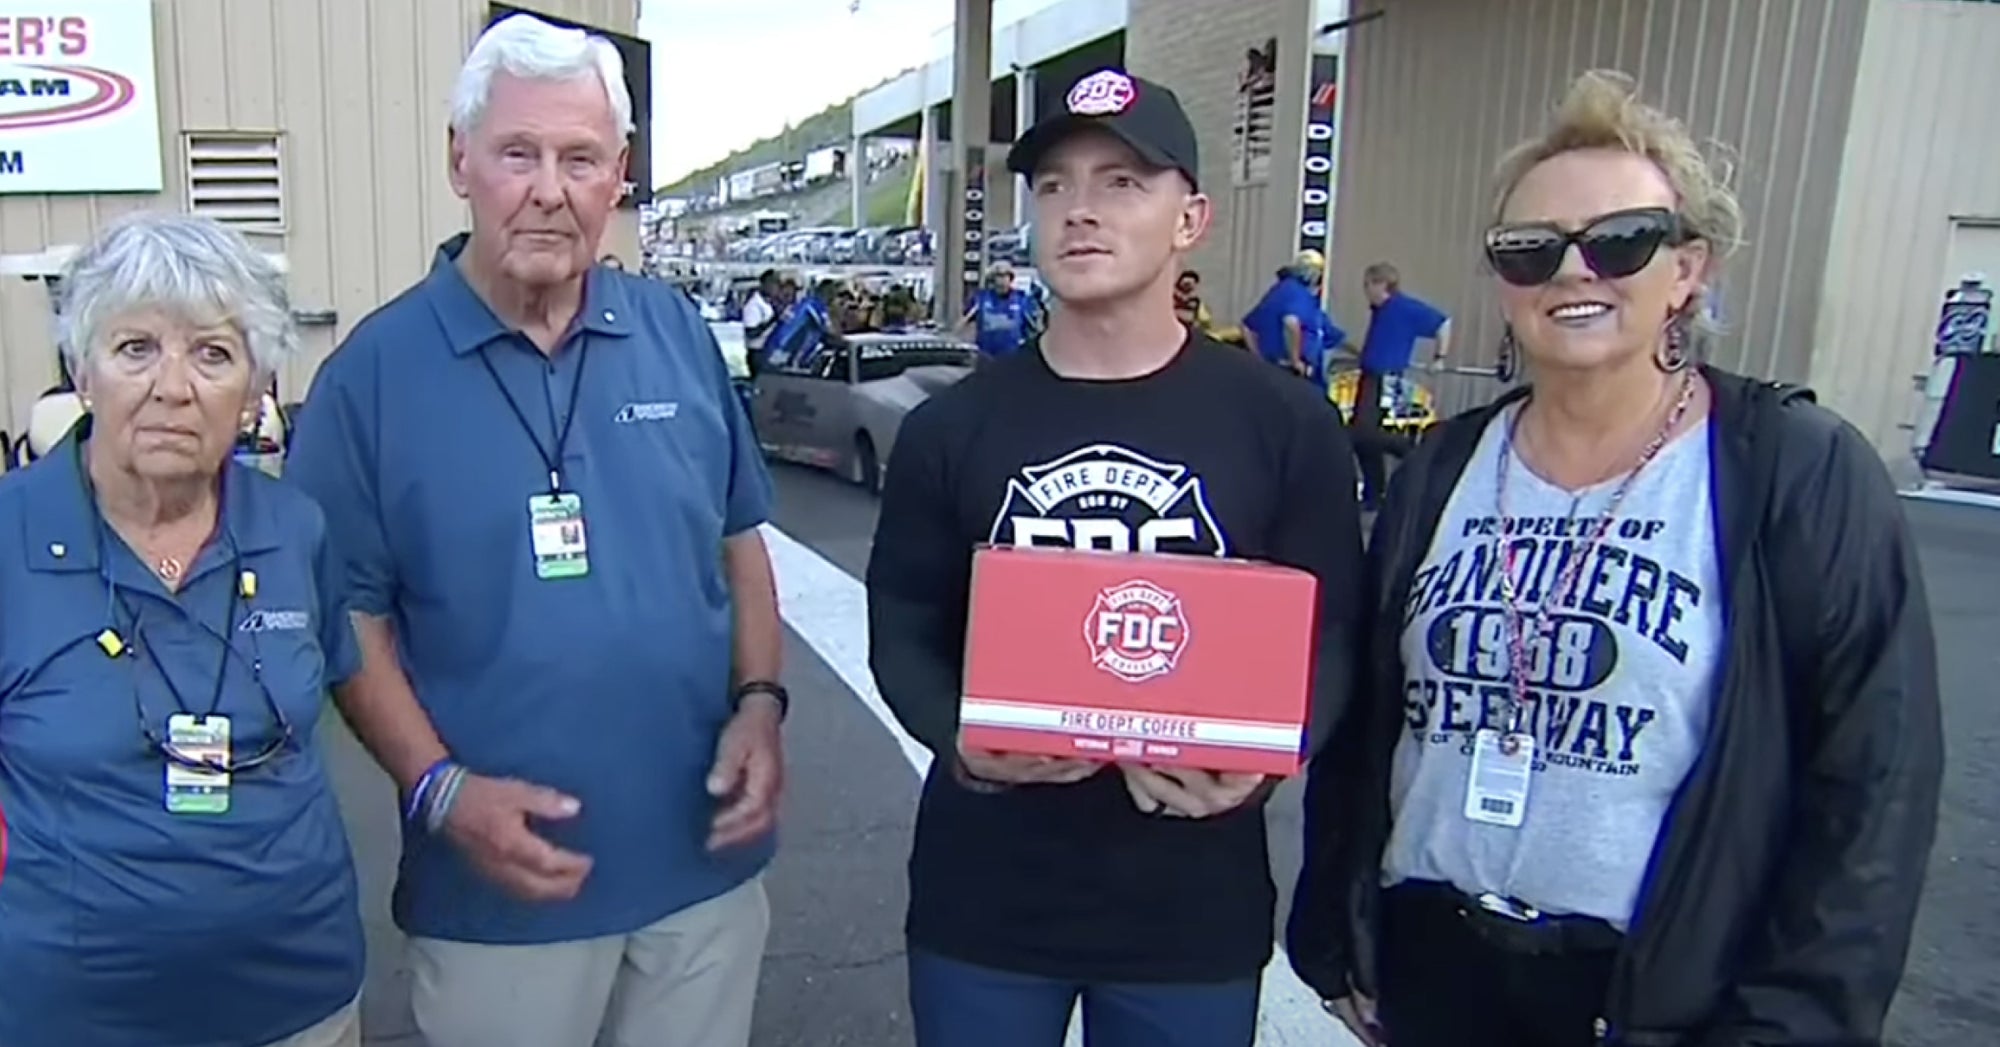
pixel 443 796
pixel 423 788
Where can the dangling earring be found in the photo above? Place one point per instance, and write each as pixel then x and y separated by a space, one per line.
pixel 1671 354
pixel 1510 355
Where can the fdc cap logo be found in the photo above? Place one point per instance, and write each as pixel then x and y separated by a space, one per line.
pixel 1136 631
pixel 1102 94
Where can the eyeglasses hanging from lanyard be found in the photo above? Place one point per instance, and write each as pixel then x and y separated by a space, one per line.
pixel 207 759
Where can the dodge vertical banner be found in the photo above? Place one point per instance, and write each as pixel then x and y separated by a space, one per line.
pixel 79 104
pixel 975 221
pixel 1316 194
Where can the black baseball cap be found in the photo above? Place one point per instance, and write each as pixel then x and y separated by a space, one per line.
pixel 1140 113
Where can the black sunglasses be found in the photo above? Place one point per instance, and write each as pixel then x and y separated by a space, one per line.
pixel 1614 246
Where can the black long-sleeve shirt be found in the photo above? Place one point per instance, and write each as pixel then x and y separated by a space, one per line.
pixel 1216 454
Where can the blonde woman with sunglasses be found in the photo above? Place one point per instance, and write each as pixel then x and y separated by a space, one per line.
pixel 1647 748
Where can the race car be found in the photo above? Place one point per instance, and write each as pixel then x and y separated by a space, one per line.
pixel 841 407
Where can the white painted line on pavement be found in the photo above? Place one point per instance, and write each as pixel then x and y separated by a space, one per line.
pixel 828 608
pixel 1953 496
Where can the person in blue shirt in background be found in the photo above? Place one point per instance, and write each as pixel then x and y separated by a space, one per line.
pixel 1396 323
pixel 1000 315
pixel 802 333
pixel 1289 327
pixel 169 614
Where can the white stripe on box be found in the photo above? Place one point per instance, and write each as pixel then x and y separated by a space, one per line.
pixel 1228 734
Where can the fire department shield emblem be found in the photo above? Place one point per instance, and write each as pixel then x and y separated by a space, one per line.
pixel 1137 631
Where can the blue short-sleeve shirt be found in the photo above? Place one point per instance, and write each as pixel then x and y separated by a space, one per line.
pixel 423 438
pixel 1289 297
pixel 123 925
pixel 1001 320
pixel 1394 328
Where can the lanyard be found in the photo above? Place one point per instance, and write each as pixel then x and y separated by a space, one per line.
pixel 115 596
pixel 143 644
pixel 1520 628
pixel 115 600
pixel 551 458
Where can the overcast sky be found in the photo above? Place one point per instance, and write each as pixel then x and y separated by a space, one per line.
pixel 728 72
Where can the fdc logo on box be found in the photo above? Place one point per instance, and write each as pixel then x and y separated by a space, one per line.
pixel 1136 631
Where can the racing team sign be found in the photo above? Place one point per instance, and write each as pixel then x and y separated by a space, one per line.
pixel 79 103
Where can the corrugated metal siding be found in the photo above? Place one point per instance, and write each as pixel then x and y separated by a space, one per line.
pixel 359 90
pixel 1438 90
pixel 1924 148
pixel 1196 48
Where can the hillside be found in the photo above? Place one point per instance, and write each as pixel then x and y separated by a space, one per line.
pixel 833 125
pixel 888 199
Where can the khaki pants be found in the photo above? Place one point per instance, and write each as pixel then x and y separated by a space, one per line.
pixel 689 980
pixel 343 1029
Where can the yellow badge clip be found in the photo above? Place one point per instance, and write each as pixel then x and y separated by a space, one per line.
pixel 246 583
pixel 113 644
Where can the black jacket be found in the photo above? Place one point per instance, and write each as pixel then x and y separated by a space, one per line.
pixel 1779 899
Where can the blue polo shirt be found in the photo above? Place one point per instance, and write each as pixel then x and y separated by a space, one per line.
pixel 122 925
pixel 612 687
pixel 1394 328
pixel 1291 296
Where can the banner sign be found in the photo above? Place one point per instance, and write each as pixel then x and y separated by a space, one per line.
pixel 974 217
pixel 1321 152
pixel 79 99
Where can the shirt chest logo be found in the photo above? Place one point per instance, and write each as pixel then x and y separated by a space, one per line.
pixel 652 411
pixel 1111 498
pixel 275 622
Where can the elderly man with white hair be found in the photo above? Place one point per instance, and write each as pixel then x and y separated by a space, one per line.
pixel 173 868
pixel 546 501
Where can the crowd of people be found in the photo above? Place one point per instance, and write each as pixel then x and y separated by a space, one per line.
pixel 1624 723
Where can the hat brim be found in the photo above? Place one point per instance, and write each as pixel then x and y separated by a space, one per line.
pixel 1029 151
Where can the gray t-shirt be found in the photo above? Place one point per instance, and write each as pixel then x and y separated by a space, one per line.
pixel 1618 696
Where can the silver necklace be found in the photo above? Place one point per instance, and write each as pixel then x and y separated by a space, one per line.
pixel 1521 629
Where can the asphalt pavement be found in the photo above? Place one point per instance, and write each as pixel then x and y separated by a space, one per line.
pixel 833 974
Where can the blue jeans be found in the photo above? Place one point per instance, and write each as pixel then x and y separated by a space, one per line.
pixel 961 1005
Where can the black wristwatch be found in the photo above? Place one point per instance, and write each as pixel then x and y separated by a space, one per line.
pixel 770 687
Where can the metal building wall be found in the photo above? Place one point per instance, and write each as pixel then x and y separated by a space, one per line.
pixel 1196 47
pixel 1923 150
pixel 359 91
pixel 1437 90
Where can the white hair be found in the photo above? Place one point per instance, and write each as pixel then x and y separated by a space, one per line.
pixel 189 266
pixel 527 47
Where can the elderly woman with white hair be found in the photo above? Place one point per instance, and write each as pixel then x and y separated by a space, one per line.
pixel 173 868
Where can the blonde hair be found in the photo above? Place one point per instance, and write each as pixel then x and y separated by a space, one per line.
pixel 1602 110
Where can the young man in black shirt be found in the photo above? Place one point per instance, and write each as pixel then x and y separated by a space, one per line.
pixel 1037 881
